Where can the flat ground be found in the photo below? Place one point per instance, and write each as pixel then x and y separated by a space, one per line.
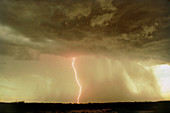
pixel 118 107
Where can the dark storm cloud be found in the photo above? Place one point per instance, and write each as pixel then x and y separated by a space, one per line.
pixel 18 52
pixel 131 28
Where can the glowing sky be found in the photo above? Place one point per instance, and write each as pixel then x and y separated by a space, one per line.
pixel 122 50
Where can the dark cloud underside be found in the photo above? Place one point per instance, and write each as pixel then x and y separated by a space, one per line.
pixel 131 28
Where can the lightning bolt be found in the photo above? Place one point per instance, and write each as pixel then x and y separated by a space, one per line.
pixel 78 83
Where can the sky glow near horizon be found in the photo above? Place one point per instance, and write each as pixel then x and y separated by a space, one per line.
pixel 122 50
pixel 162 73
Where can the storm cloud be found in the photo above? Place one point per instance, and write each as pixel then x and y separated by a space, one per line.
pixel 113 40
pixel 131 28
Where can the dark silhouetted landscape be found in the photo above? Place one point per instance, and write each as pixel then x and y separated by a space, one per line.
pixel 117 107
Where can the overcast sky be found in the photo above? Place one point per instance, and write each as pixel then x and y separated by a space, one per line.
pixel 119 45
